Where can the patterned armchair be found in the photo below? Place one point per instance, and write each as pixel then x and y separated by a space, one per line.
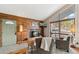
pixel 63 44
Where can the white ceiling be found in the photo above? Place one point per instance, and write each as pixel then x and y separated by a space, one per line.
pixel 33 11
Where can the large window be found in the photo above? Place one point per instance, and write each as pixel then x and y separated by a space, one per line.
pixel 67 27
pixel 62 28
pixel 63 22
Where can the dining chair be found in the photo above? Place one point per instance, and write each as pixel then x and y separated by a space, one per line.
pixel 41 51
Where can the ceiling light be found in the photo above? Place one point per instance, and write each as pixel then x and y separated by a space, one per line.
pixel 9 22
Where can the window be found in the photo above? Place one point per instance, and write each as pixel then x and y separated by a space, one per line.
pixel 64 27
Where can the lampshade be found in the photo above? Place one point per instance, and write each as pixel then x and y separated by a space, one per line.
pixel 21 28
pixel 73 29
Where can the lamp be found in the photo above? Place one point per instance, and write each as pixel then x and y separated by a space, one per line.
pixel 72 30
pixel 21 30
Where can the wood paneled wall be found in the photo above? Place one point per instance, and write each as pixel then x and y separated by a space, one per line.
pixel 26 22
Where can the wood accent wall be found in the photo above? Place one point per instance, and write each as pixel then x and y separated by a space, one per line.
pixel 26 22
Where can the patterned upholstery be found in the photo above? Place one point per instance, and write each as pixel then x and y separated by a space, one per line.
pixel 63 44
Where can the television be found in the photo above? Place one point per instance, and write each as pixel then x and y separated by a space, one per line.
pixel 34 33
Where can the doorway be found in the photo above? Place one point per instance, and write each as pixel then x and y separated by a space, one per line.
pixel 8 32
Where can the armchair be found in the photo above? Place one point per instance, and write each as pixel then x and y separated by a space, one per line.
pixel 63 44
pixel 42 51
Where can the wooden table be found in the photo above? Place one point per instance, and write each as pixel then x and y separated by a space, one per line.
pixel 32 43
pixel 20 51
pixel 75 49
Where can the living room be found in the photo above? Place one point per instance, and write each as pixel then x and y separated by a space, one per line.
pixel 39 29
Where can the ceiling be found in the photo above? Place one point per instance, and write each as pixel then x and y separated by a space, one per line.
pixel 33 11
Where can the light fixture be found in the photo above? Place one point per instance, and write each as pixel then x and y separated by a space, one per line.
pixel 73 29
pixel 21 33
pixel 9 22
pixel 21 28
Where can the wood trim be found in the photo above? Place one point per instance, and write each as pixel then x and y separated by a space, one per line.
pixel 14 17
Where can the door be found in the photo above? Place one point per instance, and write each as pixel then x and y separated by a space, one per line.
pixel 8 32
